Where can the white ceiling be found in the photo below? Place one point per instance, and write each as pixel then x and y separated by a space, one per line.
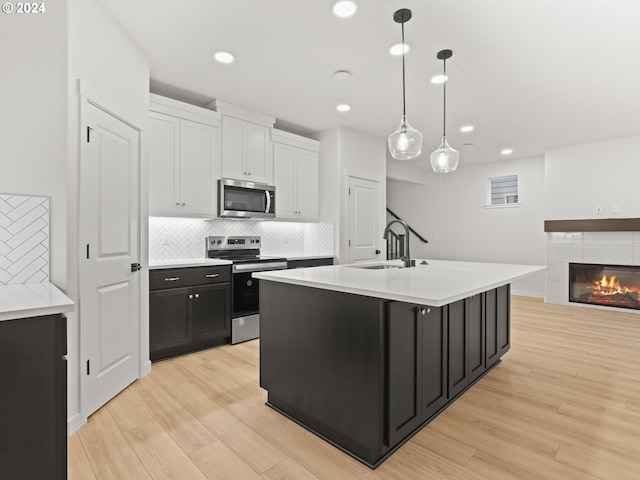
pixel 529 74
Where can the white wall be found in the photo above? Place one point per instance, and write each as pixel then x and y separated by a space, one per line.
pixel 33 101
pixel 330 183
pixel 345 151
pixel 449 210
pixel 103 58
pixel 581 177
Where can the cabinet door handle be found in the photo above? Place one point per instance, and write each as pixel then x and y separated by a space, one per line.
pixel 212 275
pixel 190 296
pixel 423 310
pixel 171 279
pixel 177 204
pixel 197 295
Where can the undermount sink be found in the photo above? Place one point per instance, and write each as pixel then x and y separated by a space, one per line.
pixel 376 267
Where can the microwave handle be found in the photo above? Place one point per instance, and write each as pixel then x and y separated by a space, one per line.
pixel 266 194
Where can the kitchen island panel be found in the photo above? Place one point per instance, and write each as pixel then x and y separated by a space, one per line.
pixel 366 373
pixel 322 362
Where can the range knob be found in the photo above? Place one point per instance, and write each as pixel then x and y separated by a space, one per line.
pixel 253 241
pixel 219 242
pixel 257 240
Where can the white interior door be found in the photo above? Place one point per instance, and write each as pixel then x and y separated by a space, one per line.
pixel 363 220
pixel 109 241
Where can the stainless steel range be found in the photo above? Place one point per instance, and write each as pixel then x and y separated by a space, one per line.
pixel 244 252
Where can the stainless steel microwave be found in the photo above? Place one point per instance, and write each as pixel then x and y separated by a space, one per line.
pixel 240 199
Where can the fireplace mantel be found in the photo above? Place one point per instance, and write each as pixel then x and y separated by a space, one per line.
pixel 593 225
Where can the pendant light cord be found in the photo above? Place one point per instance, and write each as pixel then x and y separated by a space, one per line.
pixel 444 104
pixel 404 108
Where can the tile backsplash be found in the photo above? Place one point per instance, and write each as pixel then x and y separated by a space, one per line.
pixel 24 239
pixel 176 238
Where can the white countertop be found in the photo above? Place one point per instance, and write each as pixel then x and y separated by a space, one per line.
pixel 438 283
pixel 186 262
pixel 32 300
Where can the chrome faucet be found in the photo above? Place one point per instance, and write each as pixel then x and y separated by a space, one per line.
pixel 407 256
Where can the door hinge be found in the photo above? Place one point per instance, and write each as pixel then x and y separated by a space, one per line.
pixel 89 133
pixel 349 242
pixel 88 367
pixel 349 190
pixel 87 250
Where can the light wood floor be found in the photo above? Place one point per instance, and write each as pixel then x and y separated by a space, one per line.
pixel 563 404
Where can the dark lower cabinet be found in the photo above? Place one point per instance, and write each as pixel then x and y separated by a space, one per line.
pixel 194 314
pixel 170 320
pixel 434 359
pixel 405 352
pixel 211 313
pixel 458 351
pixel 498 333
pixel 474 311
pixel 33 398
pixel 435 353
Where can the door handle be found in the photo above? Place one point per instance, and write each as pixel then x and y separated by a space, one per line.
pixel 172 279
pixel 135 267
pixel 266 194
pixel 378 252
pixel 212 275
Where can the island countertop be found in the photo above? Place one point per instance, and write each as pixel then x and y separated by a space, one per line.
pixel 436 283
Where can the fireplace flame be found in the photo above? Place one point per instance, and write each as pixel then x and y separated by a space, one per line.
pixel 610 286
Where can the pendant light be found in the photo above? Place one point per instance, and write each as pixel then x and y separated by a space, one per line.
pixel 406 142
pixel 444 159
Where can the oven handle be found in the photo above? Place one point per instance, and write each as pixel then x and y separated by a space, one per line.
pixel 259 267
pixel 266 194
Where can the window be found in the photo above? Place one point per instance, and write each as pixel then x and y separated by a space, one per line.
pixel 503 190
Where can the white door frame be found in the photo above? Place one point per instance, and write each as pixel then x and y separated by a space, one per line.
pixel 106 102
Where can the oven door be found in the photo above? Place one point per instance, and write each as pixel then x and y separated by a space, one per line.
pixel 246 295
pixel 240 199
pixel 245 319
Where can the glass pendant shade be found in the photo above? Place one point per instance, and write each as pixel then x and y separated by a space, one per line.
pixel 406 142
pixel 444 159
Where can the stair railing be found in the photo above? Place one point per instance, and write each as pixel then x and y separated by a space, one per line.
pixel 420 237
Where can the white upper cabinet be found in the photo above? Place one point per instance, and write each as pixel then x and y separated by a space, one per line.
pixel 246 151
pixel 295 175
pixel 184 159
pixel 246 143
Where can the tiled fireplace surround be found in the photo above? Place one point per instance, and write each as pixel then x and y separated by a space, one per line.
pixel 613 248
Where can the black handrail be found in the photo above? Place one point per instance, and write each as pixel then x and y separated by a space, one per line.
pixel 422 239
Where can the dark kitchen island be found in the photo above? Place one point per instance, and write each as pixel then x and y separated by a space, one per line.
pixel 366 357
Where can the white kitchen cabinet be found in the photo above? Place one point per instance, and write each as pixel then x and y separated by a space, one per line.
pixel 184 159
pixel 246 151
pixel 295 175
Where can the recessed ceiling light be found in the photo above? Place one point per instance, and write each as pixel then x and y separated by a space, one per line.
pixel 399 48
pixel 344 8
pixel 341 75
pixel 343 107
pixel 224 57
pixel 506 151
pixel 467 128
pixel 437 79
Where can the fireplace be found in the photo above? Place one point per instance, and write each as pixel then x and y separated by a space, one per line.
pixel 607 285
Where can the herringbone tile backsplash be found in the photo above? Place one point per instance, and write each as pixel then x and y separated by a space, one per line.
pixel 176 238
pixel 24 239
